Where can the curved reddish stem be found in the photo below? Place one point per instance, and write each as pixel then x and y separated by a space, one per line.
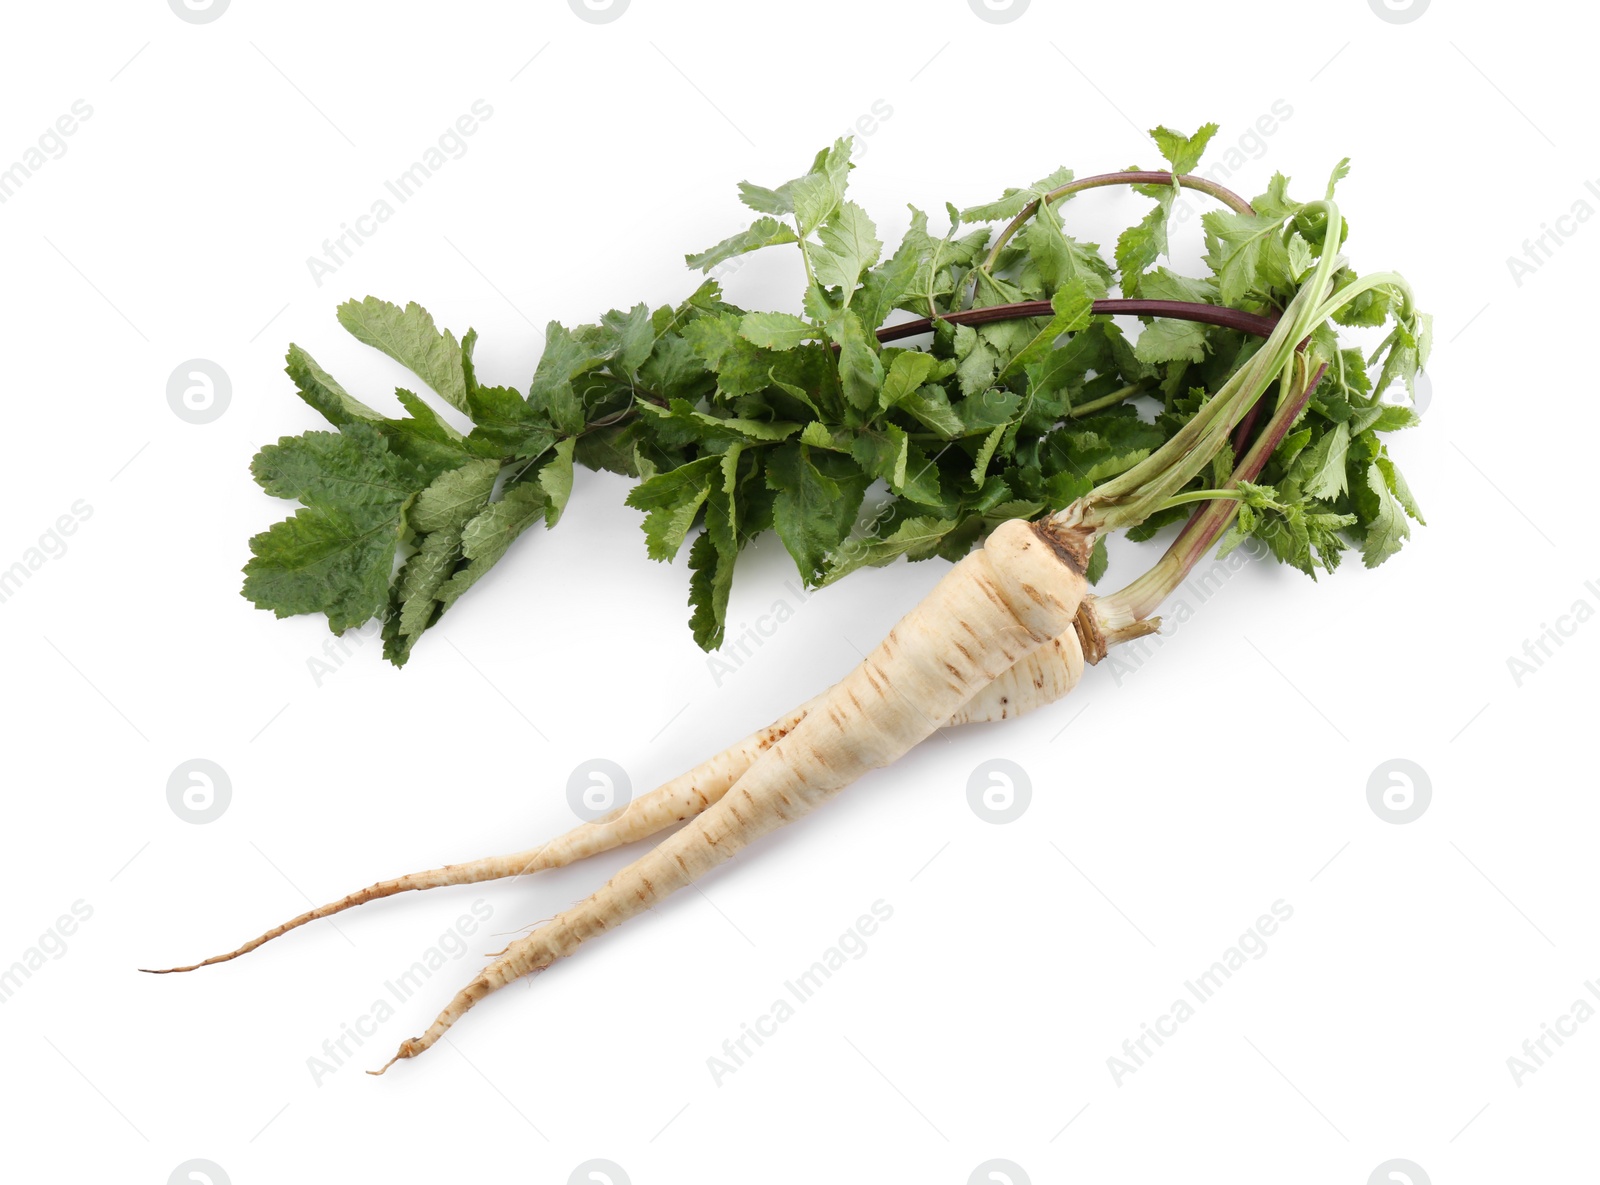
pixel 1183 310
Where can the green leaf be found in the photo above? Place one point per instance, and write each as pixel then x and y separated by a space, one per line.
pixel 814 511
pixel 860 369
pixel 671 502
pixel 885 286
pixel 1165 284
pixel 439 513
pixel 1235 242
pixel 1058 259
pixel 930 406
pixel 892 457
pixel 675 371
pixel 1320 470
pixel 488 535
pixel 1397 486
pixel 1183 152
pixel 850 246
pixel 975 361
pixel 817 194
pixel 777 331
pixel 1387 529
pixel 454 497
pixel 763 232
pixel 565 358
pixel 980 467
pixel 555 478
pixel 414 602
pixel 742 367
pixel 764 200
pixel 410 337
pixel 318 388
pixel 1301 259
pixel 335 556
pixel 914 537
pixel 707 427
pixel 1071 305
pixel 710 582
pixel 908 370
pixel 627 338
pixel 1140 246
pixel 1012 201
pixel 1099 560
pixel 1168 339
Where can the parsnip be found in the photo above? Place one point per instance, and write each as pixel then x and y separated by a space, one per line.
pixel 1009 629
pixel 1000 603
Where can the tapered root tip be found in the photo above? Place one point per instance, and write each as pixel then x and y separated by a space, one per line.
pixel 408 1048
pixel 190 967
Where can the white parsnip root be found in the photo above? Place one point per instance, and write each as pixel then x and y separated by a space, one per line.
pixel 1017 593
pixel 776 784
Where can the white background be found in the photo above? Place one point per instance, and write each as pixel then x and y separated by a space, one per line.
pixel 1170 807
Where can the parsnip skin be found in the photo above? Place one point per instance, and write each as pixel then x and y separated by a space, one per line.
pixel 992 610
pixel 1039 678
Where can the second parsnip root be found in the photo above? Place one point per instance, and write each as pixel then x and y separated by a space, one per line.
pixel 1018 593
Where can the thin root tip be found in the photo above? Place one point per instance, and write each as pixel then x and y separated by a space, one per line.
pixel 406 1050
pixel 165 970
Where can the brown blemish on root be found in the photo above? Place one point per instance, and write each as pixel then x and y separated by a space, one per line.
pixel 1069 545
pixel 993 594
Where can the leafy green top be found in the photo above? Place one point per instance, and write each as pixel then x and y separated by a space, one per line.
pixel 738 422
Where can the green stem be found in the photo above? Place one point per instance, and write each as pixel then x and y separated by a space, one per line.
pixel 1210 495
pixel 1104 401
pixel 1365 284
